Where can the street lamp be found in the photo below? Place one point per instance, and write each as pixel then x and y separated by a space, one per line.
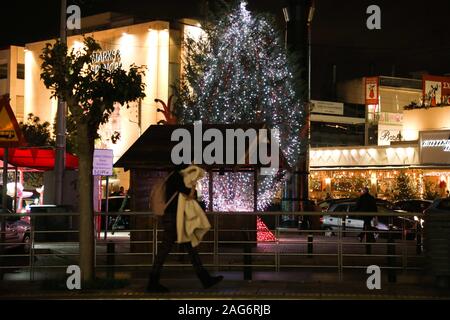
pixel 297 190
pixel 60 161
pixel 287 18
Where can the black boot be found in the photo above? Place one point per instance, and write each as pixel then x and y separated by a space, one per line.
pixel 206 279
pixel 211 281
pixel 153 283
pixel 203 274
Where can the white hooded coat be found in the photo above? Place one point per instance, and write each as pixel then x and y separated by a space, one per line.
pixel 192 223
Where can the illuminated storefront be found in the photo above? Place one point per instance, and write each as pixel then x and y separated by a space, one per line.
pixel 342 172
pixel 412 122
pixel 156 45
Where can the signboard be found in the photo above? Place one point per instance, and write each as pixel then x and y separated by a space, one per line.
pixel 327 107
pixel 109 59
pixel 10 133
pixel 435 90
pixel 371 89
pixel 103 162
pixel 388 133
pixel 435 147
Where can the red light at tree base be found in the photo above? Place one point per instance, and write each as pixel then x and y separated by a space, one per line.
pixel 263 233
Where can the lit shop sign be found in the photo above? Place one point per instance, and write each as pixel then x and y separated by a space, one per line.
pixel 388 133
pixel 327 107
pixel 435 147
pixel 444 144
pixel 109 59
pixel 436 90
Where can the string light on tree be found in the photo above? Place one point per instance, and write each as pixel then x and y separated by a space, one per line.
pixel 239 73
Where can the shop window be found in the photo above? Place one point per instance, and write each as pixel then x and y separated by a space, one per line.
pixel 20 71
pixel 3 71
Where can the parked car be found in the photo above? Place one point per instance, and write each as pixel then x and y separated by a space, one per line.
pixel 117 204
pixel 17 233
pixel 412 205
pixel 439 206
pixel 331 223
pixel 326 204
pixel 406 227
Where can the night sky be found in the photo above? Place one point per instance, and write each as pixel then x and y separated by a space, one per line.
pixel 414 36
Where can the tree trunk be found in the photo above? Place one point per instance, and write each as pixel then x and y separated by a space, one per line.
pixel 85 191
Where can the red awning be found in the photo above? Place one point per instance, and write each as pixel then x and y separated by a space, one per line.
pixel 37 158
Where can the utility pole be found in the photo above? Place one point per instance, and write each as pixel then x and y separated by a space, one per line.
pixel 60 160
pixel 298 16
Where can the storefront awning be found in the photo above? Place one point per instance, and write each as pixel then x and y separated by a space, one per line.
pixel 37 158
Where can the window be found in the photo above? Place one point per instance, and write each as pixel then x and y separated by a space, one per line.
pixel 20 71
pixel 341 208
pixel 326 134
pixel 3 71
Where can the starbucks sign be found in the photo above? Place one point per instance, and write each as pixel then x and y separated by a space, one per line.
pixel 109 59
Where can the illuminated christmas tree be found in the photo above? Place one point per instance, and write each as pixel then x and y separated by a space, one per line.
pixel 404 188
pixel 239 73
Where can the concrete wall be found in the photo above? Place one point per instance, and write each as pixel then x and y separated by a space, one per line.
pixel 437 118
pixel 13 86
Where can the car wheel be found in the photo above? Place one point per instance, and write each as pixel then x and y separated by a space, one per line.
pixel 26 243
pixel 329 232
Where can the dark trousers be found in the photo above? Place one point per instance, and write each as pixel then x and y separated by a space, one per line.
pixel 169 238
pixel 369 235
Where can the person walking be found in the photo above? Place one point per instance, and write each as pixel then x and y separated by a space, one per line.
pixel 175 185
pixel 366 203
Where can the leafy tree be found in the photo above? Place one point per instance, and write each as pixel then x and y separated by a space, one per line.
pixel 90 95
pixel 35 132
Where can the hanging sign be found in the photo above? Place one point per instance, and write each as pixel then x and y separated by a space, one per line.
pixel 371 88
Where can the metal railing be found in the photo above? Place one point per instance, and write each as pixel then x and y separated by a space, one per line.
pixel 231 244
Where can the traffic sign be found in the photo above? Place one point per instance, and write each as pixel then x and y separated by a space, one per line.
pixel 10 133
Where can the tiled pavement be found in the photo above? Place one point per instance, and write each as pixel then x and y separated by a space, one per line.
pixel 263 286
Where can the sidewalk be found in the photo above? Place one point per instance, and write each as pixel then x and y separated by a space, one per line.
pixel 234 288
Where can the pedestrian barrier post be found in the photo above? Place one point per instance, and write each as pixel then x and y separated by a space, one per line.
pixel 110 259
